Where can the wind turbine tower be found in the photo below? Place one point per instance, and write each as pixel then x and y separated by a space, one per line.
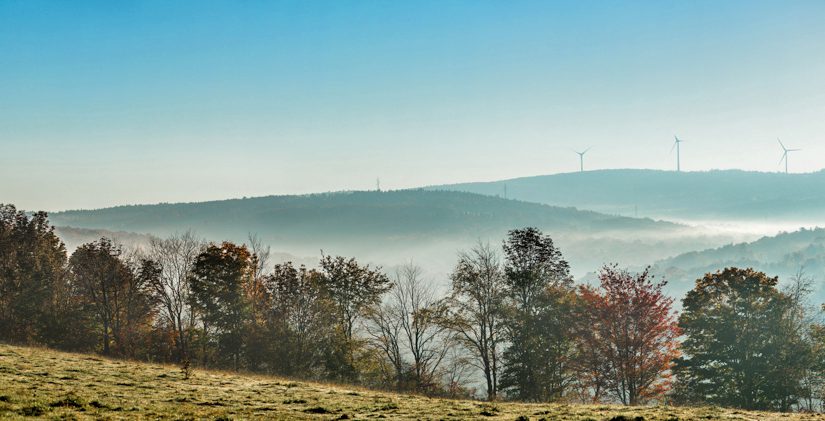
pixel 676 145
pixel 785 154
pixel 581 159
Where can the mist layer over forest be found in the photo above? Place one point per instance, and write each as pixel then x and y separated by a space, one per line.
pixel 390 228
pixel 589 214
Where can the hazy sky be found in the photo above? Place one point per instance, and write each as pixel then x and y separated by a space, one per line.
pixel 106 103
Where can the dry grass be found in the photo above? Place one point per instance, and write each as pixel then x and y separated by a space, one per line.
pixel 48 384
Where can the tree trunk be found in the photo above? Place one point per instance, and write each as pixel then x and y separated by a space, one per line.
pixel 105 337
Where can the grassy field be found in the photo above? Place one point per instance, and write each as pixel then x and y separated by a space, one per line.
pixel 48 384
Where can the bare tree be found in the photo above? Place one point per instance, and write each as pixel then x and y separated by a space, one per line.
pixel 176 256
pixel 262 254
pixel 458 368
pixel 474 310
pixel 802 320
pixel 383 326
pixel 406 328
pixel 420 312
pixel 800 312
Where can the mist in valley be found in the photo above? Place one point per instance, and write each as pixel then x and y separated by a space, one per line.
pixel 430 227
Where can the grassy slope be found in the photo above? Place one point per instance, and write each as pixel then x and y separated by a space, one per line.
pixel 52 384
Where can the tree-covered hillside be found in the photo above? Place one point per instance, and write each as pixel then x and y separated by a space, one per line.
pixel 404 213
pixel 392 227
pixel 783 255
pixel 725 195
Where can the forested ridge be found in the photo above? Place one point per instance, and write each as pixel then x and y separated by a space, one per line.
pixel 388 226
pixel 512 316
pixel 785 255
pixel 367 213
pixel 707 195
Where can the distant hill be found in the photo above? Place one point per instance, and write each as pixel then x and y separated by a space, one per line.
pixel 711 195
pixel 408 213
pixel 428 227
pixel 392 227
pixel 781 255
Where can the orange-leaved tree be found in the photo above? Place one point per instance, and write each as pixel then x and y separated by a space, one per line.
pixel 627 334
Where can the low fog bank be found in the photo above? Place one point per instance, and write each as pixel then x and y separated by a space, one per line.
pixel 429 228
pixel 438 254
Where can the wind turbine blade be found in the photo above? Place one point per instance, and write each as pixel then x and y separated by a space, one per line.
pixel 585 151
pixel 794 150
pixel 784 157
pixel 781 144
pixel 674 146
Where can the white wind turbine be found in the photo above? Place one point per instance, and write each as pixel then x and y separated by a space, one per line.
pixel 785 154
pixel 581 159
pixel 676 145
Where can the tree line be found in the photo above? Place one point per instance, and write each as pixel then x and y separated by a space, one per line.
pixel 512 317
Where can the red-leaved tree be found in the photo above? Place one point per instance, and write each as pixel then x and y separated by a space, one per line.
pixel 627 334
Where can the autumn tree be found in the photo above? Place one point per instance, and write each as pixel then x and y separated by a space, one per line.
pixel 475 311
pixel 217 283
pixel 539 302
pixel 627 336
pixel 257 295
pixel 115 290
pixel 352 288
pixel 139 307
pixel 737 351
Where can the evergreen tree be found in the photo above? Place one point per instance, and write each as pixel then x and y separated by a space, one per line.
pixel 32 268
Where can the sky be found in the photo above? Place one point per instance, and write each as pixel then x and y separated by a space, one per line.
pixel 111 103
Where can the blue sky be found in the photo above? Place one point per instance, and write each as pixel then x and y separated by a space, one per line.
pixel 107 103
